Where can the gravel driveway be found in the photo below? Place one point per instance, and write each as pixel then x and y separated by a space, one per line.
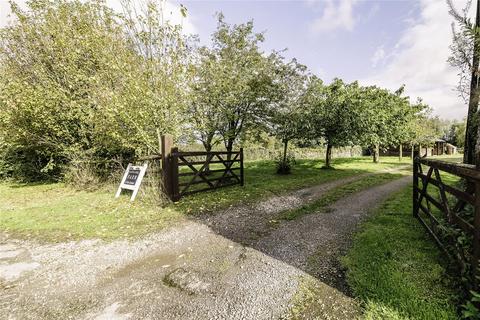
pixel 202 269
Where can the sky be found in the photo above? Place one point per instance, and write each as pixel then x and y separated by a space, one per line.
pixel 377 42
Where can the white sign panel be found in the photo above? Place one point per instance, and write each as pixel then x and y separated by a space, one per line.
pixel 132 178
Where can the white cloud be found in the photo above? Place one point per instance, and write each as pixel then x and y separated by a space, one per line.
pixel 336 15
pixel 419 60
pixel 378 56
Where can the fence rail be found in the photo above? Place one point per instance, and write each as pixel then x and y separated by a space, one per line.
pixel 189 172
pixel 436 203
pixel 202 174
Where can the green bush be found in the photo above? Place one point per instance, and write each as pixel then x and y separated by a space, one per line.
pixel 283 164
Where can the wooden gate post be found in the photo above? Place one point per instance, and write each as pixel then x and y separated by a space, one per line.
pixel 416 168
pixel 174 175
pixel 167 143
pixel 476 237
pixel 242 181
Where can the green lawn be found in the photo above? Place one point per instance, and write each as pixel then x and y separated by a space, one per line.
pixel 396 270
pixel 55 212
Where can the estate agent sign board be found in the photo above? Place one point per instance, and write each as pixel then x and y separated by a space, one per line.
pixel 132 178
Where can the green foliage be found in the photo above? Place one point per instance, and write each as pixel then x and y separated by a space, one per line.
pixel 387 119
pixel 456 133
pixel 286 115
pixel 470 309
pixel 234 83
pixel 284 163
pixel 332 111
pixel 50 62
pixel 157 98
pixel 73 83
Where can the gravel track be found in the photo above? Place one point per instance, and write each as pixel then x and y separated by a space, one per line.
pixel 201 269
pixel 247 223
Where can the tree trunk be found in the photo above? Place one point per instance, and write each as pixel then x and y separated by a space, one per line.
pixel 376 154
pixel 412 151
pixel 207 144
pixel 208 148
pixel 400 152
pixel 229 147
pixel 471 134
pixel 285 145
pixel 283 168
pixel 328 156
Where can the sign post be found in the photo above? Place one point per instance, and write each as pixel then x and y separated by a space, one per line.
pixel 132 178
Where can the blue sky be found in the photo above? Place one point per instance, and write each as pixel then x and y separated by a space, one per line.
pixel 386 43
pixel 329 51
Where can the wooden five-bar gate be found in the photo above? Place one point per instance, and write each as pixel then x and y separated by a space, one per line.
pixel 455 205
pixel 189 172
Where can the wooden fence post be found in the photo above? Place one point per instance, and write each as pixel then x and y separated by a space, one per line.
pixel 476 236
pixel 167 143
pixel 174 174
pixel 241 168
pixel 415 184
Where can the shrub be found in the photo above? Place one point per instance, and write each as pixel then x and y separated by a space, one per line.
pixel 284 164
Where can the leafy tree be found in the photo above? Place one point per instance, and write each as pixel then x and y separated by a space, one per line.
pixel 459 134
pixel 157 97
pixel 333 113
pixel 456 133
pixel 234 85
pixel 205 110
pixel 386 119
pixel 421 130
pixel 286 112
pixel 59 61
pixel 83 83
pixel 377 125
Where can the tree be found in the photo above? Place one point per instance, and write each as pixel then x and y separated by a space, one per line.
pixel 286 113
pixel 235 84
pixel 466 55
pixel 403 116
pixel 456 133
pixel 80 82
pixel 420 129
pixel 158 98
pixel 333 113
pixel 384 118
pixel 60 61
pixel 206 92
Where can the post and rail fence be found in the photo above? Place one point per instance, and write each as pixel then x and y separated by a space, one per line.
pixel 446 200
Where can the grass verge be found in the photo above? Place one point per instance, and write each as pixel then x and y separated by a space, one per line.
pixel 396 270
pixel 55 212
